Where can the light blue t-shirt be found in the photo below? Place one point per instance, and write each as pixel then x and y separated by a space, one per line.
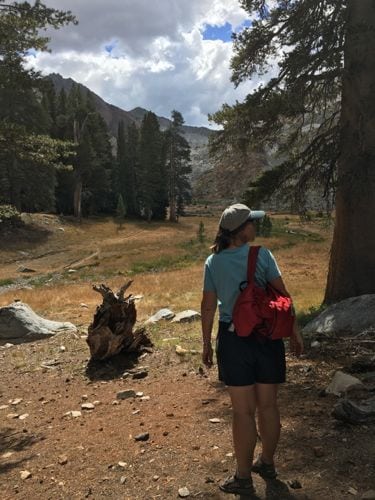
pixel 225 271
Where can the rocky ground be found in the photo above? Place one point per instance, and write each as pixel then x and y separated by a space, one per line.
pixel 66 434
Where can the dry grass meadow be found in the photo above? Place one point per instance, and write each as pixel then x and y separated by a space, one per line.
pixel 165 261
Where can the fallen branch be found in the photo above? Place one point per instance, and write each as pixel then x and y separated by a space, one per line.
pixel 85 262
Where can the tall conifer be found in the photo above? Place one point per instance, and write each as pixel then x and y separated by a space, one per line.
pixel 178 166
pixel 319 111
pixel 153 196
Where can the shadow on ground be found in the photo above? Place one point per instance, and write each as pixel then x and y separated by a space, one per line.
pixel 278 490
pixel 15 441
pixel 15 238
pixel 112 368
pixel 274 490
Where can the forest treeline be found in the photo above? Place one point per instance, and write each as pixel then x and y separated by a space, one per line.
pixel 146 167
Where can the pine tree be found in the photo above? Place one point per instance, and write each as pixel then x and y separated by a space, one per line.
pixel 121 177
pixel 120 211
pixel 25 147
pixel 152 186
pixel 201 233
pixel 319 111
pixel 98 183
pixel 93 166
pixel 178 167
pixel 133 166
pixel 49 104
pixel 63 130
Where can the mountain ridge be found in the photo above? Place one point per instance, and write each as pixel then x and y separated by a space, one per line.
pixel 134 115
pixel 197 137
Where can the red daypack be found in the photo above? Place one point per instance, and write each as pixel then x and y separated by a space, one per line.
pixel 264 311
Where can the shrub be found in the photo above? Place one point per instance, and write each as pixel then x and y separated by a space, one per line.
pixel 264 226
pixel 10 216
pixel 120 211
pixel 201 233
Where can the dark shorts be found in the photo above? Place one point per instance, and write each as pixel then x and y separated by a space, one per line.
pixel 249 360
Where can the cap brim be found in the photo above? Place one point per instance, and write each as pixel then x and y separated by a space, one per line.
pixel 257 214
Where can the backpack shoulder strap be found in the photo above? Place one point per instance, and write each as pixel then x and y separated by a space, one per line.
pixel 251 262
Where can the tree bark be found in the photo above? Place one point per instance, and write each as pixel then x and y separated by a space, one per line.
pixel 172 182
pixel 14 185
pixel 78 200
pixel 77 197
pixel 352 261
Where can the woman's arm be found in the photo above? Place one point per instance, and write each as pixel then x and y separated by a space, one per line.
pixel 279 285
pixel 296 340
pixel 208 309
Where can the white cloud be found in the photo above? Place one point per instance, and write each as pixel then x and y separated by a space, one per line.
pixel 158 58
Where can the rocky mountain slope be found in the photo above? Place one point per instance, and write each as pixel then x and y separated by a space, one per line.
pixel 196 136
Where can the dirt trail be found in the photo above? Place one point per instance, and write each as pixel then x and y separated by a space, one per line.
pixel 96 455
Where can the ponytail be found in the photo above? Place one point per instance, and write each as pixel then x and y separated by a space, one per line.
pixel 224 237
pixel 222 240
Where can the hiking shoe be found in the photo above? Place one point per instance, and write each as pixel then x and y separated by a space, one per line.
pixel 267 471
pixel 238 486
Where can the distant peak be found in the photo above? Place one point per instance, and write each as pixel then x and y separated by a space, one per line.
pixel 138 109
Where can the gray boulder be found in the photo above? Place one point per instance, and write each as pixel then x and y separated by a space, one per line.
pixel 341 382
pixel 161 314
pixel 362 412
pixel 348 317
pixel 19 323
pixel 186 316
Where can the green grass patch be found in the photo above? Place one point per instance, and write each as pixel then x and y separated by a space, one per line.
pixel 40 281
pixel 193 252
pixel 305 317
pixel 6 282
pixel 280 229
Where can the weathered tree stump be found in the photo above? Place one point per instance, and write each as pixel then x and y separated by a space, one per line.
pixel 112 328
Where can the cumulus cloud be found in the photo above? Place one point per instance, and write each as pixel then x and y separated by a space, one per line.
pixel 149 54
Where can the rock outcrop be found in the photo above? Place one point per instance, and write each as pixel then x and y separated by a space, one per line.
pixel 19 323
pixel 348 317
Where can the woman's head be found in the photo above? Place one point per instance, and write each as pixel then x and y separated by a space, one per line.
pixel 236 226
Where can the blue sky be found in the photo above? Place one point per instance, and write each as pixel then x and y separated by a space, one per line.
pixel 224 32
pixel 110 46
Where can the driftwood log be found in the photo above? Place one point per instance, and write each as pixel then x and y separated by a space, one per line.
pixel 112 328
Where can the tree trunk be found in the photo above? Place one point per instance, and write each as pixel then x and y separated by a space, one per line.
pixel 172 209
pixel 172 182
pixel 148 214
pixel 352 262
pixel 14 185
pixel 77 197
pixel 78 200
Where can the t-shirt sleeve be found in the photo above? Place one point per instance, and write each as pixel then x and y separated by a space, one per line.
pixel 272 269
pixel 208 284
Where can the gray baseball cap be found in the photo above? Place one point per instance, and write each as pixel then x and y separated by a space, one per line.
pixel 237 214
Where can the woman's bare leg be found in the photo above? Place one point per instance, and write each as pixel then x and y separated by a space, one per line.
pixel 268 419
pixel 243 427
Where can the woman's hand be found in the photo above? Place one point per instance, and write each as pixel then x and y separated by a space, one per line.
pixel 296 341
pixel 207 356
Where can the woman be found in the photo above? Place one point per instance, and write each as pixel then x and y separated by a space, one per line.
pixel 251 367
